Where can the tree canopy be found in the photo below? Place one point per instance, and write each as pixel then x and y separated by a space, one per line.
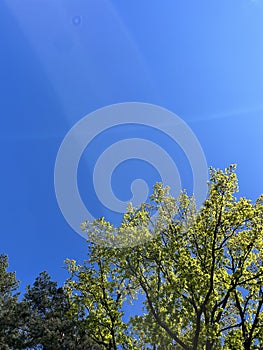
pixel 41 320
pixel 198 273
pixel 10 310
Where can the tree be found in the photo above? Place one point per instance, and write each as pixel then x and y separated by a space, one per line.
pixel 49 325
pixel 11 311
pixel 97 300
pixel 200 272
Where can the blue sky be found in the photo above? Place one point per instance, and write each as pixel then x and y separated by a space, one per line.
pixel 61 60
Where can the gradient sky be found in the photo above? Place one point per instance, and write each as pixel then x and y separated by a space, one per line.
pixel 63 59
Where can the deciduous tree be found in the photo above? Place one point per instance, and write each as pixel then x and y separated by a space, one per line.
pixel 200 272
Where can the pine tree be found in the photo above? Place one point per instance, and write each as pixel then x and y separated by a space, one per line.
pixel 50 326
pixel 12 313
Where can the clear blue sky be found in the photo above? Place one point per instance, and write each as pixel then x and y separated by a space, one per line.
pixel 61 60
